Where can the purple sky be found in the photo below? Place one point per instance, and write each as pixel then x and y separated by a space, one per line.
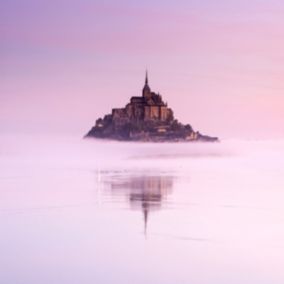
pixel 219 64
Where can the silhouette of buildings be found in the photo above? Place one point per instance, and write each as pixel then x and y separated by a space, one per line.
pixel 145 118
pixel 149 107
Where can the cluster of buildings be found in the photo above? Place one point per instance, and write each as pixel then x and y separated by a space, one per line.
pixel 145 118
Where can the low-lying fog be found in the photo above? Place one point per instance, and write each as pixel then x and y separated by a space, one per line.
pixel 88 211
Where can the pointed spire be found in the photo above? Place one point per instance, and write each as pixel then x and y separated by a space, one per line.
pixel 146 80
pixel 146 89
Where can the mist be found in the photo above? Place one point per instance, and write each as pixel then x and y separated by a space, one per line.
pixel 84 210
pixel 87 211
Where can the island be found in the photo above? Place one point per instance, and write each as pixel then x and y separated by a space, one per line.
pixel 145 118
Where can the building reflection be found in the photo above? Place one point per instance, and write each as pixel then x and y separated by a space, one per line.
pixel 145 193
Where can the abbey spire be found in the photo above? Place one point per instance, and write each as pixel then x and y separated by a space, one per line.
pixel 146 79
pixel 146 90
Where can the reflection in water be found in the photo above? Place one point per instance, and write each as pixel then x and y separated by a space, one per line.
pixel 143 192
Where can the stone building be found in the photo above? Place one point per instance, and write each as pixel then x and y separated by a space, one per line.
pixel 148 107
pixel 145 118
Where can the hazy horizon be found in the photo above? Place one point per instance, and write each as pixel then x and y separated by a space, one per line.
pixel 85 211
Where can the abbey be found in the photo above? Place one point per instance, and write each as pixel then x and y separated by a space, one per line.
pixel 149 106
pixel 145 118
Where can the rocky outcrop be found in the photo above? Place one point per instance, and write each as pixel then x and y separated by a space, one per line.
pixel 145 118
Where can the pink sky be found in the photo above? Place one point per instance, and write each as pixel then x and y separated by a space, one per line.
pixel 219 64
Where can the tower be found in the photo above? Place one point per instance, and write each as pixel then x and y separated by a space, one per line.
pixel 146 90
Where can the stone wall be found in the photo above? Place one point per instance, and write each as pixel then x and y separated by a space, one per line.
pixel 119 116
pixel 163 113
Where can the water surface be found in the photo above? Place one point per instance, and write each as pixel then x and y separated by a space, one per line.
pixel 75 211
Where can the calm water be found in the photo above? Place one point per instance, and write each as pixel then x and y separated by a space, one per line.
pixel 91 212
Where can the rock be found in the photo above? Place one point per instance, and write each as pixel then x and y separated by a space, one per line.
pixel 145 118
